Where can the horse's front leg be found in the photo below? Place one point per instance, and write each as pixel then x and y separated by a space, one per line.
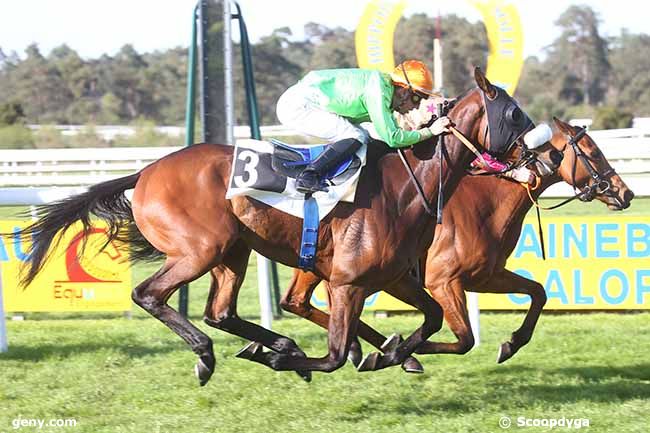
pixel 451 297
pixel 410 291
pixel 346 307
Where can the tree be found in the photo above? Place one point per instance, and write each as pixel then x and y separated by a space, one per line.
pixel 333 49
pixel 464 47
pixel 11 113
pixel 579 57
pixel 630 84
pixel 124 78
pixel 81 81
pixel 274 72
pixel 39 87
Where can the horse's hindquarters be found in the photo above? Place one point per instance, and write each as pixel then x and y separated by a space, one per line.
pixel 179 202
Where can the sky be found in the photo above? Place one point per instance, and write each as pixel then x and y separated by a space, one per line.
pixel 96 27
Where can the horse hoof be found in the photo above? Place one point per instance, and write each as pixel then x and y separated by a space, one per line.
pixel 355 355
pixel 250 350
pixel 412 365
pixel 304 375
pixel 370 362
pixel 203 372
pixel 505 352
pixel 391 343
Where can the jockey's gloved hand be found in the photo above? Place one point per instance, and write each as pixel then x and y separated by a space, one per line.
pixel 440 126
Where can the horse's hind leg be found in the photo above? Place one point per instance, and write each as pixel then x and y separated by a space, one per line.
pixel 408 290
pixel 152 295
pixel 346 305
pixel 221 310
pixel 297 301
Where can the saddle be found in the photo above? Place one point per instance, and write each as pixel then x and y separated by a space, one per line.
pixel 267 166
pixel 289 161
pixel 266 171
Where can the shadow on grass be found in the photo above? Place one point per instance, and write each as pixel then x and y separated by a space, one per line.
pixel 521 387
pixel 595 383
pixel 45 351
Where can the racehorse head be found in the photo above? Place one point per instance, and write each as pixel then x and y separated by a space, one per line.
pixel 490 117
pixel 506 121
pixel 585 168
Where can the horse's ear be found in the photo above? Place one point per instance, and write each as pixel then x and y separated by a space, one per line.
pixel 563 126
pixel 484 84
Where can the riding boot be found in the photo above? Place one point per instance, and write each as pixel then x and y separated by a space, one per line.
pixel 311 178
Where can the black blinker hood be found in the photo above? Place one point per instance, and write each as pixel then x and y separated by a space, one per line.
pixel 506 122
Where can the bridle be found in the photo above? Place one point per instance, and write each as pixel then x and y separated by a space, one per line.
pixel 600 181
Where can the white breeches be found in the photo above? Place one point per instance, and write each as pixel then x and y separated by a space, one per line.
pixel 297 110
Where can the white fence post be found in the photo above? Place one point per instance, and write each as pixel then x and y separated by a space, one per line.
pixel 474 312
pixel 264 287
pixel 3 326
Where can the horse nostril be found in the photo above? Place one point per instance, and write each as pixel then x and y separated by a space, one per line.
pixel 556 156
pixel 628 196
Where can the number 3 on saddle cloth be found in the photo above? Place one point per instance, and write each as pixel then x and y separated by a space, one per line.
pixel 266 171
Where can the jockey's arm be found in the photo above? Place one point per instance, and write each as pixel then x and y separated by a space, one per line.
pixel 378 101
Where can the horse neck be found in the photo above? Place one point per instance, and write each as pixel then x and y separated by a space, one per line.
pixel 425 161
pixel 455 156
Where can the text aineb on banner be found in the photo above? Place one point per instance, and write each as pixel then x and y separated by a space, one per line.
pixel 593 263
pixel 98 281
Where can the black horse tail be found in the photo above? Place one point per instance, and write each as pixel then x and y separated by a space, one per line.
pixel 105 201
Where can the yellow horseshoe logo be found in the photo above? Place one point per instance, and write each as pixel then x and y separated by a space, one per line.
pixel 374 38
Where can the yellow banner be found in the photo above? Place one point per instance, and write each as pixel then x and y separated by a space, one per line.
pixel 505 36
pixel 374 34
pixel 96 282
pixel 593 263
pixel 374 38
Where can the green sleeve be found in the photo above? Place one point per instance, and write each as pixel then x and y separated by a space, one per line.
pixel 378 100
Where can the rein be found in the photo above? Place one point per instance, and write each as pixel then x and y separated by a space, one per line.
pixel 418 187
pixel 414 180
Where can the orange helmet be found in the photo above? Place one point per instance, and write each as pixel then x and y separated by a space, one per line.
pixel 413 74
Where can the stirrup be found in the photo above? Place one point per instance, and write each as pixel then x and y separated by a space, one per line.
pixel 309 182
pixel 312 188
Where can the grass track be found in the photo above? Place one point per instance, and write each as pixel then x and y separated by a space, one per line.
pixel 118 375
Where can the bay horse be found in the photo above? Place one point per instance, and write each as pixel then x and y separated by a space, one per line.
pixel 482 224
pixel 179 211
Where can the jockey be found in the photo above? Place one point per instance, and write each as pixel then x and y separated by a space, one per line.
pixel 330 104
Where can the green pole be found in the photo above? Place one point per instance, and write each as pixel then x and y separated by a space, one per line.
pixel 189 130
